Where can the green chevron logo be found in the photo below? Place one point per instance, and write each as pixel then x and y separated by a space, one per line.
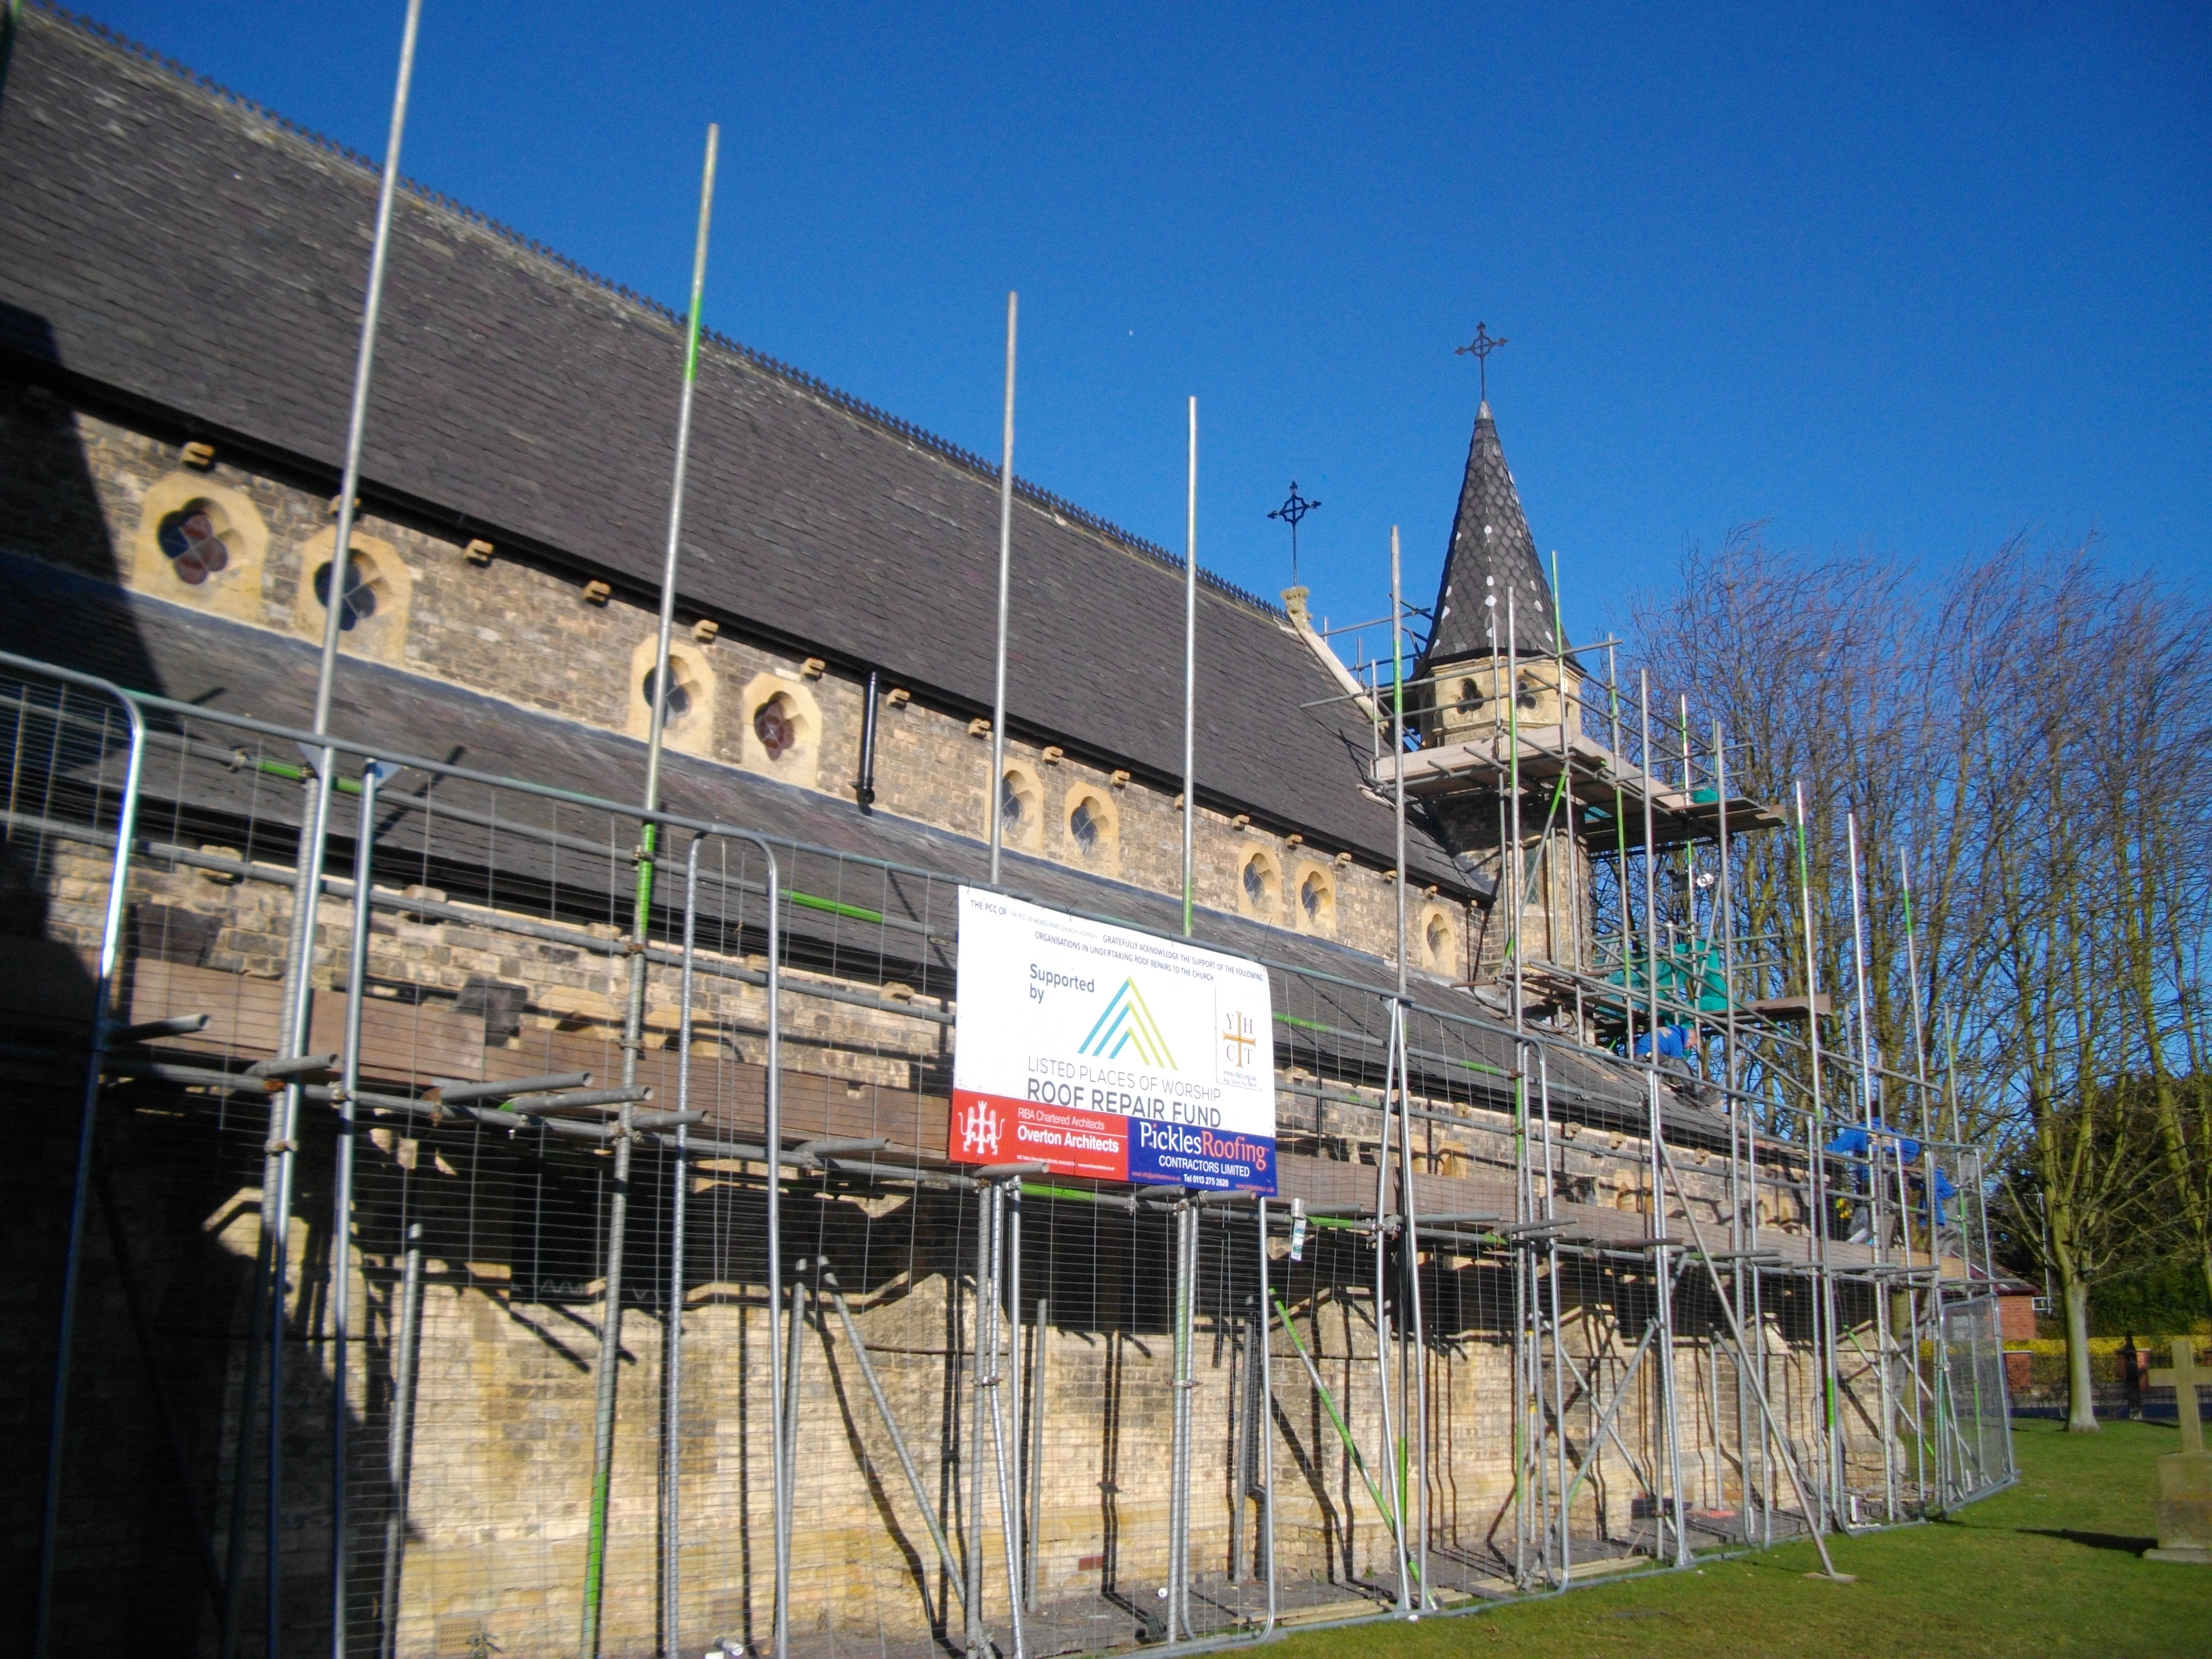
pixel 1127 1023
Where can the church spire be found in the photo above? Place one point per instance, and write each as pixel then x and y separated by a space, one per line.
pixel 1491 554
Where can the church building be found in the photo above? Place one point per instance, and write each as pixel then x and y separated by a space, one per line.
pixel 181 279
pixel 412 1416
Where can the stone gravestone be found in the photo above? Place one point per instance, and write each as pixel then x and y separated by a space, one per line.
pixel 2185 1480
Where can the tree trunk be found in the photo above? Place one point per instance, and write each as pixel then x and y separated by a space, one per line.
pixel 2080 1408
pixel 2187 1184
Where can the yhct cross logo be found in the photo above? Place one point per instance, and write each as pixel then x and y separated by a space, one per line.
pixel 982 1130
pixel 1237 1039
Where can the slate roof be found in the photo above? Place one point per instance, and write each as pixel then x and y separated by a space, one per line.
pixel 172 248
pixel 148 644
pixel 1492 554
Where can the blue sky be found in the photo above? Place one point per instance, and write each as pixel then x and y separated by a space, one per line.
pixel 1905 277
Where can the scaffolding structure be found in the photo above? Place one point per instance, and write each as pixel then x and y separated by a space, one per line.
pixel 441 1343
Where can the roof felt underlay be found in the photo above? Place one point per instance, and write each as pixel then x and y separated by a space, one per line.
pixel 189 255
pixel 1492 556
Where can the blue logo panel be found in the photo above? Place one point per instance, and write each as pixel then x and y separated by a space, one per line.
pixel 1182 1154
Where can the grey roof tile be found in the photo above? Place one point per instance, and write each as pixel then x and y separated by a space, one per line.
pixel 167 242
pixel 1491 554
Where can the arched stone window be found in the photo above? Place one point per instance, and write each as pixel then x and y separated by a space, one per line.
pixel 689 712
pixel 1439 942
pixel 1093 827
pixel 1260 887
pixel 1316 911
pixel 1470 699
pixel 373 611
pixel 776 723
pixel 1021 805
pixel 201 543
pixel 782 731
pixel 360 595
pixel 676 706
pixel 191 538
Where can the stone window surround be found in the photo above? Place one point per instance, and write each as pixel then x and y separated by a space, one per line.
pixel 382 637
pixel 1442 958
pixel 804 705
pixel 690 671
pixel 802 762
pixel 1268 907
pixel 1029 831
pixel 1106 854
pixel 1537 697
pixel 1323 919
pixel 235 590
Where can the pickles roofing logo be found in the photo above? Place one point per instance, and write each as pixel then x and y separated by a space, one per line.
pixel 1127 1023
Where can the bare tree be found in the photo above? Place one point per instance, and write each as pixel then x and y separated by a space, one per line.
pixel 2028 743
pixel 2149 794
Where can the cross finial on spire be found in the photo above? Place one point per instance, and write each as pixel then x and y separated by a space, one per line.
pixel 1294 507
pixel 1480 349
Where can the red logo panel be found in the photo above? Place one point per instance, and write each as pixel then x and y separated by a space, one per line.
pixel 992 1129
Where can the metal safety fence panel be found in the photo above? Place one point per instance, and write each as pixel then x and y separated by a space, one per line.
pixel 552 1241
pixel 72 750
pixel 1974 1422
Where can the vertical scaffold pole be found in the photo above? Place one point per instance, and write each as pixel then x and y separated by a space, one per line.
pixel 997 779
pixel 1926 1309
pixel 1621 855
pixel 278 1158
pixel 1384 1335
pixel 283 1132
pixel 794 1361
pixel 772 1139
pixel 1018 1460
pixel 671 1378
pixel 1743 1145
pixel 335 593
pixel 1265 1426
pixel 1562 1576
pixel 1033 1464
pixel 399 1459
pixel 1190 673
pixel 1663 1256
pixel 1010 1525
pixel 1186 1229
pixel 1516 924
pixel 1877 1220
pixel 608 1364
pixel 1528 1418
pixel 110 947
pixel 979 1644
pixel 1824 1293
pixel 341 1292
pixel 1417 1341
pixel 1417 1358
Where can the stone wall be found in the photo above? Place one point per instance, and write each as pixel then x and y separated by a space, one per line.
pixel 517 630
pixel 494 1547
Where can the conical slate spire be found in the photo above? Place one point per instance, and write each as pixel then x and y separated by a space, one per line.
pixel 1492 553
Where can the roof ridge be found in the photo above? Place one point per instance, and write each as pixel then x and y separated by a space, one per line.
pixel 958 454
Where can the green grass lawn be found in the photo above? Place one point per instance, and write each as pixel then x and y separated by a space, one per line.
pixel 2050 1566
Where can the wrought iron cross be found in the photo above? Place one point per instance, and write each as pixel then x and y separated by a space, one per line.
pixel 1294 507
pixel 1480 349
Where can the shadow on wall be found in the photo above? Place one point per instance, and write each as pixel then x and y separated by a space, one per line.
pixel 50 511
pixel 158 1304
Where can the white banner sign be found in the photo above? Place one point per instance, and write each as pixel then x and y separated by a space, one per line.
pixel 1111 1053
